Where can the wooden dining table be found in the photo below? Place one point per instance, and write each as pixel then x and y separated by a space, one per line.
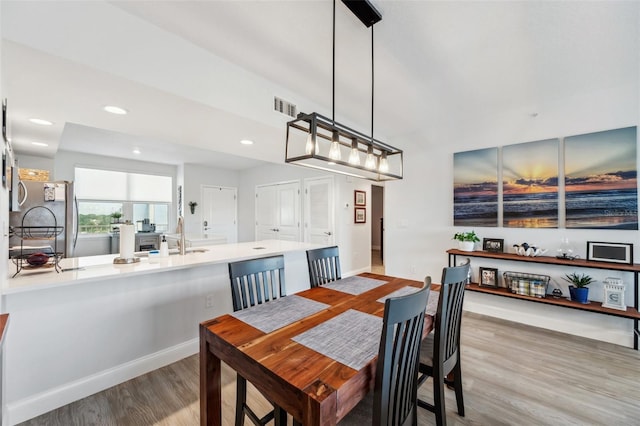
pixel 312 386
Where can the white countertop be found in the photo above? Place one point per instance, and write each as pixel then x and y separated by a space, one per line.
pixel 93 268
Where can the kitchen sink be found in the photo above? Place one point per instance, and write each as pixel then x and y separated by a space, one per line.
pixel 175 251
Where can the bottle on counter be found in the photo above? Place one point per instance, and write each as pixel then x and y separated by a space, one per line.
pixel 164 247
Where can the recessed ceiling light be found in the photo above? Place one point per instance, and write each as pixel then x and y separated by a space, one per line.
pixel 136 151
pixel 115 110
pixel 246 142
pixel 41 121
pixel 39 144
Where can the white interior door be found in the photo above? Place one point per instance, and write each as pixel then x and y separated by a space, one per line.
pixel 278 211
pixel 289 211
pixel 319 208
pixel 266 217
pixel 219 212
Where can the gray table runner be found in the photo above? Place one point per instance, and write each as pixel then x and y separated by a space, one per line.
pixel 432 303
pixel 351 338
pixel 279 313
pixel 355 285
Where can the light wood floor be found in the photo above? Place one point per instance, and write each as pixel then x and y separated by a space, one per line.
pixel 377 267
pixel 512 374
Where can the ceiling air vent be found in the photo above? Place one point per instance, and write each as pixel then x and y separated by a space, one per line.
pixel 285 107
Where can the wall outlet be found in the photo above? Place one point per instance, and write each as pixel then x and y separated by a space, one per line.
pixel 209 301
pixel 412 269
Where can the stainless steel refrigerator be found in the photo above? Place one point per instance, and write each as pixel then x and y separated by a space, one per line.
pixel 43 205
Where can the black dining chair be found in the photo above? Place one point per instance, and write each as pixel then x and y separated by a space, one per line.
pixel 440 351
pixel 394 400
pixel 324 265
pixel 254 282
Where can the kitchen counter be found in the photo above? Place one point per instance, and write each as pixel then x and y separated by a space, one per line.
pixel 91 268
pixel 97 324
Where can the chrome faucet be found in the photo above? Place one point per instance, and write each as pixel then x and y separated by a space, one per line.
pixel 181 243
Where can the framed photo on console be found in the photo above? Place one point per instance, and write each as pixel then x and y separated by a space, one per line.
pixel 488 277
pixel 494 245
pixel 610 252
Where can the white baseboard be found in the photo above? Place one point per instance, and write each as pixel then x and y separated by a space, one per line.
pixel 35 405
pixel 356 272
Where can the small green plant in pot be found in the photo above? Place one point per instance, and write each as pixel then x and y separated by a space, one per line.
pixel 115 216
pixel 466 240
pixel 578 290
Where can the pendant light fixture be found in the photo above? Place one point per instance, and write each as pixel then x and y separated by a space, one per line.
pixel 318 142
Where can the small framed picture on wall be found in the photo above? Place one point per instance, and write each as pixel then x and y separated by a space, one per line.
pixel 360 198
pixel 360 215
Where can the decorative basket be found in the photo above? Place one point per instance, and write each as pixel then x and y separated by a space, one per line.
pixel 527 284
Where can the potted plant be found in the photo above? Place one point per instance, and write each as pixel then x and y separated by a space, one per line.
pixel 116 217
pixel 466 240
pixel 579 291
pixel 192 206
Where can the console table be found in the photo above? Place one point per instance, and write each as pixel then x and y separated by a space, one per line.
pixel 631 312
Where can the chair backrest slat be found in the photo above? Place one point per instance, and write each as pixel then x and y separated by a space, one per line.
pixel 324 265
pixel 449 316
pixel 396 385
pixel 256 281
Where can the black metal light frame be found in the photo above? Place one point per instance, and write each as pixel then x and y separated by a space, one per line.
pixel 309 124
pixel 316 127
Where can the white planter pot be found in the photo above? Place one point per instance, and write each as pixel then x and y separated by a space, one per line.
pixel 466 245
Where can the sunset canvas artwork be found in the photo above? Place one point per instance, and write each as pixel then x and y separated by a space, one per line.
pixel 601 180
pixel 475 188
pixel 530 184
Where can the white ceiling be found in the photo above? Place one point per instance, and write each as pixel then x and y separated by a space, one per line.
pixel 198 76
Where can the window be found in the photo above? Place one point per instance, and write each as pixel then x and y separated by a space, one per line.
pixel 157 213
pixel 95 217
pixel 106 197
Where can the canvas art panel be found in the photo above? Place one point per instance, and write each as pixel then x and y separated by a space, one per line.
pixel 601 180
pixel 530 184
pixel 475 188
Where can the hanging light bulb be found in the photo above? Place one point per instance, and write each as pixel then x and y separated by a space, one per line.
pixel 334 150
pixel 309 147
pixel 370 162
pixel 384 163
pixel 354 157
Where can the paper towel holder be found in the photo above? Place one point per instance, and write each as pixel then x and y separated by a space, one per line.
pixel 126 260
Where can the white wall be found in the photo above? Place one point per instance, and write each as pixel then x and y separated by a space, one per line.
pixel 419 209
pixel 194 177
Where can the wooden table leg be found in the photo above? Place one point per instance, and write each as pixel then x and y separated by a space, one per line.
pixel 210 385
